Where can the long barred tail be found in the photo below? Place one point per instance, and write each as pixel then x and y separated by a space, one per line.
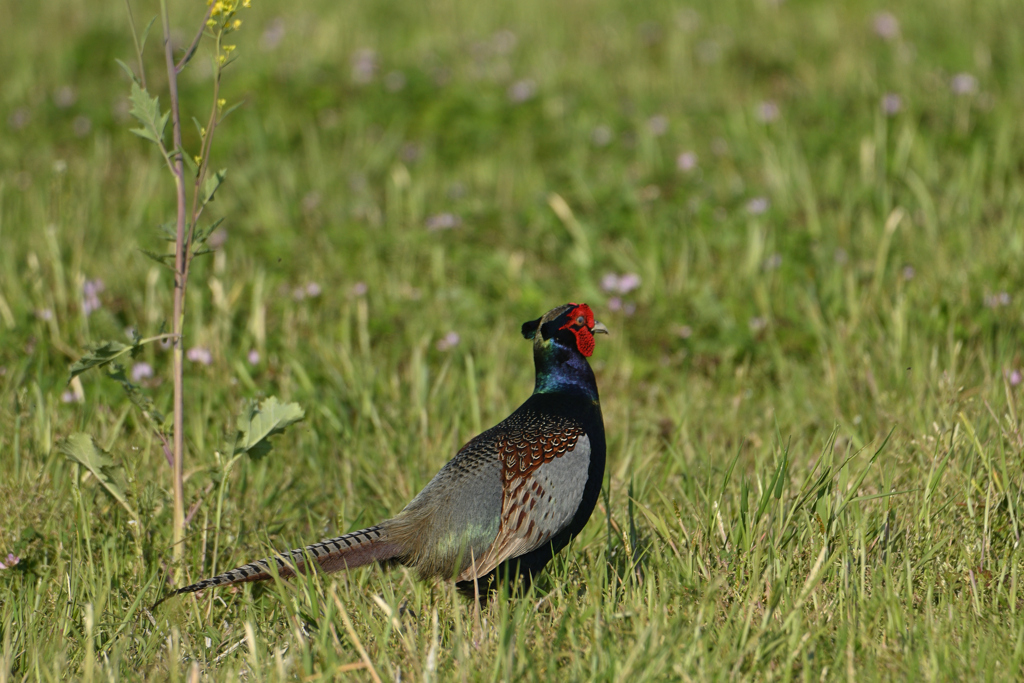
pixel 344 552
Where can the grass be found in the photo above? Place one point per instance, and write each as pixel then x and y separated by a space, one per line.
pixel 815 439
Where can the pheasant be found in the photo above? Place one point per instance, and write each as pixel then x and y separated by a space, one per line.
pixel 510 498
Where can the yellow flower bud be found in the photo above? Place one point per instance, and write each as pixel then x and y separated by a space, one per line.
pixel 229 48
pixel 199 159
pixel 221 102
pixel 238 22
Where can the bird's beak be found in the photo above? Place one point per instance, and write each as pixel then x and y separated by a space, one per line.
pixel 598 328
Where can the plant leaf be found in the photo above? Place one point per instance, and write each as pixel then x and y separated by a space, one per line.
pixel 162 259
pixel 145 34
pixel 230 109
pixel 146 110
pixel 212 184
pixel 99 355
pixel 80 448
pixel 128 70
pixel 257 424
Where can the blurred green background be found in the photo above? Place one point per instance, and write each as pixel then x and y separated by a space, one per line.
pixel 801 221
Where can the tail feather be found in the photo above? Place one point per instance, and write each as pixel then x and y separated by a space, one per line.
pixel 352 550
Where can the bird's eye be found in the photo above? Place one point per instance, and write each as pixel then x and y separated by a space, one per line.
pixel 581 320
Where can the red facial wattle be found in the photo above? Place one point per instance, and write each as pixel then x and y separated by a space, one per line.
pixel 584 337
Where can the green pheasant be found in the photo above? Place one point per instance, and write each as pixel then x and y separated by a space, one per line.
pixel 510 498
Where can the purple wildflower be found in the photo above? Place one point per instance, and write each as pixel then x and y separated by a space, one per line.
pixel 91 295
pixel 767 111
pixel 273 34
pixel 313 290
pixel 892 104
pixel 70 397
pixel 886 25
pixel 757 206
pixel 359 289
pixel 522 90
pixel 448 341
pixel 141 371
pixel 443 221
pixel 963 84
pixel 997 300
pixel 253 357
pixel 10 561
pixel 686 162
pixel 1015 378
pixel 364 65
pixel 615 304
pixel 620 284
pixel 199 354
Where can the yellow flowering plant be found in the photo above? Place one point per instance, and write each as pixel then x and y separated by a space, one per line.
pixel 195 187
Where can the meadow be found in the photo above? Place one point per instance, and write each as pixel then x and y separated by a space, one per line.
pixel 802 222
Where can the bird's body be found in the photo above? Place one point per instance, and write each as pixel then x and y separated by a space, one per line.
pixel 509 500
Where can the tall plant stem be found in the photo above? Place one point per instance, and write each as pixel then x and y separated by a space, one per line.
pixel 180 266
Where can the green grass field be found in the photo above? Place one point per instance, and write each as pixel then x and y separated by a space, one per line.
pixel 823 205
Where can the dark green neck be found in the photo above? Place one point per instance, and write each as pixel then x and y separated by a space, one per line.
pixel 561 370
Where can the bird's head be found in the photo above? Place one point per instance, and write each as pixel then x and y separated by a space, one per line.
pixel 571 326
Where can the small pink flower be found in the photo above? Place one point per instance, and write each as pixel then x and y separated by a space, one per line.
pixel 686 162
pixel 359 289
pixel 253 357
pixel 313 290
pixel 448 341
pixel 963 84
pixel 91 290
pixel 892 104
pixel 10 561
pixel 70 397
pixel 628 282
pixel 522 90
pixel 364 66
pixel 886 25
pixel 767 112
pixel 443 221
pixel 141 371
pixel 757 206
pixel 199 354
pixel 1015 378
pixel 615 304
